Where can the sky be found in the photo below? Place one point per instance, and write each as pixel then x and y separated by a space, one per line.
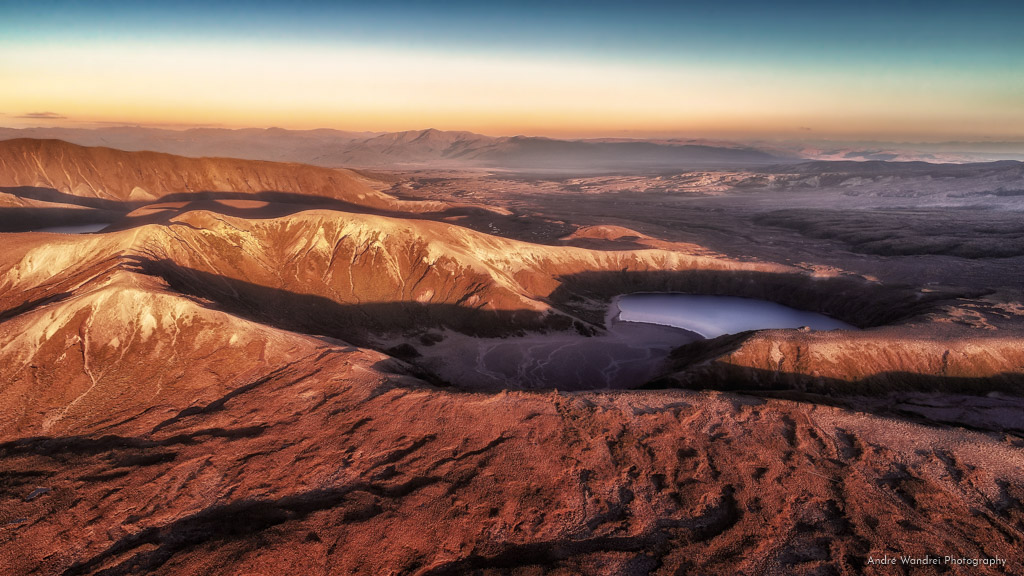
pixel 896 70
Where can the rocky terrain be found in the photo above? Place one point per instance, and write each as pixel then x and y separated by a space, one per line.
pixel 263 368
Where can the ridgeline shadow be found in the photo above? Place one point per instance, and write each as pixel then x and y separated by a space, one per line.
pixel 24 219
pixel 30 305
pixel 275 205
pixel 56 196
pixel 321 316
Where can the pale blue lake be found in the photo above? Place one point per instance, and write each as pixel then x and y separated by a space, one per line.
pixel 712 316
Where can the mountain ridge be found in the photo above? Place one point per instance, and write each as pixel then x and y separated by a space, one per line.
pixel 413 148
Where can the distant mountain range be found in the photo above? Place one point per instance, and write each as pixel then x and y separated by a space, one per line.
pixel 424 149
pixel 416 149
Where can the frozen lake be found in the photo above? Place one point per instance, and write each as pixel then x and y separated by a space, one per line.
pixel 712 316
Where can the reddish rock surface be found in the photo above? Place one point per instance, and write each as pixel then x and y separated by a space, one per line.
pixel 201 397
pixel 105 173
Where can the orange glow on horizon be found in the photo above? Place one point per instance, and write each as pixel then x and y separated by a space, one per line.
pixel 379 90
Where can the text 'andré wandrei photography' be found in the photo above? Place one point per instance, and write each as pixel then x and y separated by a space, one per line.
pixel 505 288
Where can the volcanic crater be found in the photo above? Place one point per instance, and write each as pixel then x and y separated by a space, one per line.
pixel 263 367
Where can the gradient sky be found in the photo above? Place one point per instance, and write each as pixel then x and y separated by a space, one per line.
pixel 894 70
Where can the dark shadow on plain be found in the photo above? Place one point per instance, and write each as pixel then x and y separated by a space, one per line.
pixel 28 219
pixel 56 196
pixel 964 233
pixel 278 204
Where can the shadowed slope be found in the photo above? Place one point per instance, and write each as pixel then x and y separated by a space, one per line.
pixel 123 347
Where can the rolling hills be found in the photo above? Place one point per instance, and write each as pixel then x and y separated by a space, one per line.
pixel 226 389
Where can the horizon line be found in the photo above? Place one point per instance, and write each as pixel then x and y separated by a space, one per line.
pixel 646 136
